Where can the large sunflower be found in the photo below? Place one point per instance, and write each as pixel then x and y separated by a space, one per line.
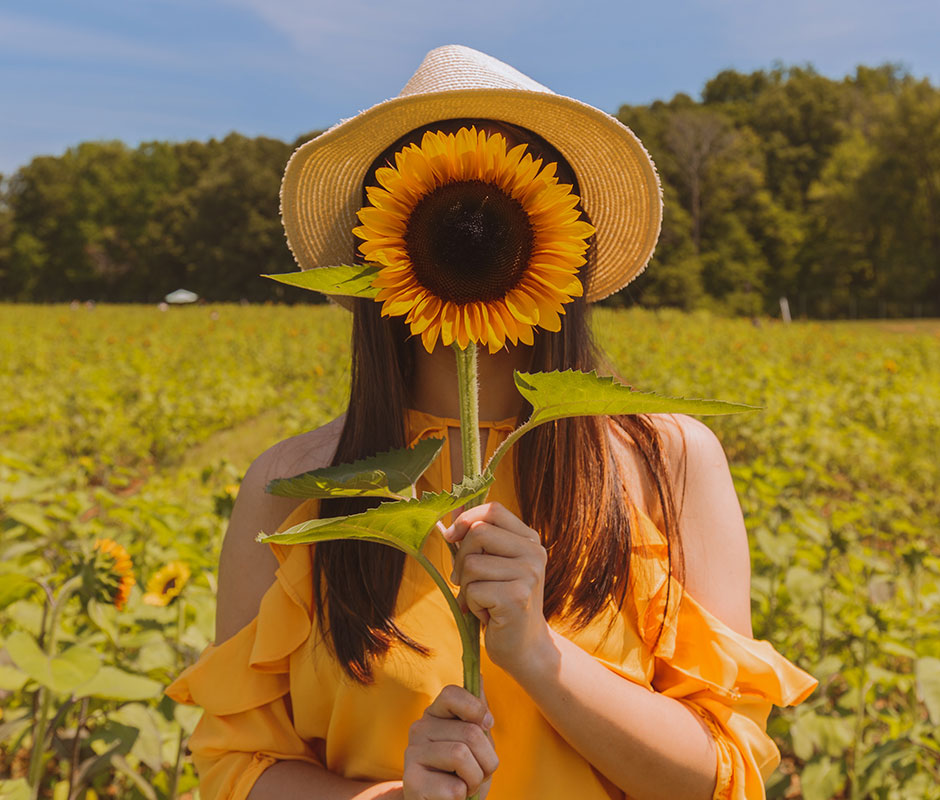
pixel 166 584
pixel 476 242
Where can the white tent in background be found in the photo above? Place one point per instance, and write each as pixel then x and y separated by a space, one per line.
pixel 182 296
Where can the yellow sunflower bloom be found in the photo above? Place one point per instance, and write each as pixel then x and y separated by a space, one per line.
pixel 166 584
pixel 113 572
pixel 476 242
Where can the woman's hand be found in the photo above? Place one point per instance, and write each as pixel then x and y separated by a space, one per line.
pixel 450 755
pixel 500 567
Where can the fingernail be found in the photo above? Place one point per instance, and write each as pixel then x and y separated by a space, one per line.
pixel 488 720
pixel 448 533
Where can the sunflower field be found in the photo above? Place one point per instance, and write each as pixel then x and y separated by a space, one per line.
pixel 125 430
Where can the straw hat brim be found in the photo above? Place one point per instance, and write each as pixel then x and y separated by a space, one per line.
pixel 620 190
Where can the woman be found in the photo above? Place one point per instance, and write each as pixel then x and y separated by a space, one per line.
pixel 609 568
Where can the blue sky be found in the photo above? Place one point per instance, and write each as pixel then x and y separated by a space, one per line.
pixel 138 70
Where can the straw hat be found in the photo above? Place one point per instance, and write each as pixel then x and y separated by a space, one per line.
pixel 322 187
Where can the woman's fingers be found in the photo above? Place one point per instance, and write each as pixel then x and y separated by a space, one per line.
pixel 455 702
pixel 455 757
pixel 498 602
pixel 485 536
pixel 421 783
pixel 494 514
pixel 486 567
pixel 489 553
pixel 450 754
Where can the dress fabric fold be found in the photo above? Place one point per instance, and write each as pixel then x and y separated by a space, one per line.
pixel 273 691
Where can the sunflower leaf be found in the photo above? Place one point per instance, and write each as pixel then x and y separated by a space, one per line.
pixel 62 672
pixel 11 678
pixel 351 281
pixel 382 475
pixel 14 586
pixel 927 672
pixel 554 395
pixel 15 789
pixel 111 683
pixel 403 524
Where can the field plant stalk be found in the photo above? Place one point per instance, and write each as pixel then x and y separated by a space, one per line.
pixel 857 739
pixel 75 785
pixel 34 775
pixel 915 600
pixel 122 765
pixel 181 741
pixel 178 766
pixel 822 604
pixel 180 622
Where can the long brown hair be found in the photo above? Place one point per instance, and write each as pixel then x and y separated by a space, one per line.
pixel 567 478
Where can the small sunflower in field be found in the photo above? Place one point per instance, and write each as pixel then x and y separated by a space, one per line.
pixel 109 575
pixel 166 584
pixel 476 242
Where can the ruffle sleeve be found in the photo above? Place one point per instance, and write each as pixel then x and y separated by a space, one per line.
pixel 729 680
pixel 243 687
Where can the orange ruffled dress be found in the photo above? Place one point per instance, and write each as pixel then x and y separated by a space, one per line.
pixel 273 691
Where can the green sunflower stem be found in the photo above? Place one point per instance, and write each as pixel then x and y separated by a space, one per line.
pixel 468 390
pixel 34 773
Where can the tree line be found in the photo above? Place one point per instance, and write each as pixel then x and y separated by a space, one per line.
pixel 777 183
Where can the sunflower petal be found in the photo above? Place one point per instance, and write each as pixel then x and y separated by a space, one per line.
pixel 429 336
pixel 526 335
pixel 495 331
pixel 523 307
pixel 508 321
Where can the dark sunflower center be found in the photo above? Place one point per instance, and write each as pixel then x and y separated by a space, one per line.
pixel 469 241
pixel 169 585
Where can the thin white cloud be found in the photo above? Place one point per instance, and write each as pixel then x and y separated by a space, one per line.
pixel 354 53
pixel 37 38
pixel 818 29
pixel 344 24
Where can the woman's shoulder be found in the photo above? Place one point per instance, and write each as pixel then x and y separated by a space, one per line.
pixel 685 435
pixel 683 443
pixel 686 444
pixel 296 454
pixel 246 569
pixel 711 525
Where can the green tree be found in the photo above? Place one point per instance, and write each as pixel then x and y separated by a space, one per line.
pixel 220 231
pixel 878 205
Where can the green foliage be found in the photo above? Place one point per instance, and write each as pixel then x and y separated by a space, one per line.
pixel 111 683
pixel 104 222
pixel 792 184
pixel 351 281
pixel 62 673
pixel 137 425
pixel 124 425
pixel 927 670
pixel 404 524
pixel 554 395
pixel 382 475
